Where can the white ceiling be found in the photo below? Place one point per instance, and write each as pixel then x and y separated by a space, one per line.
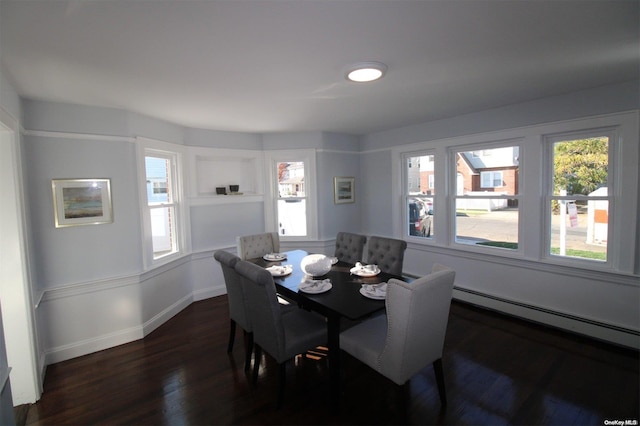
pixel 278 65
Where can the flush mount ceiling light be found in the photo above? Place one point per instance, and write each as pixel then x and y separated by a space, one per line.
pixel 365 71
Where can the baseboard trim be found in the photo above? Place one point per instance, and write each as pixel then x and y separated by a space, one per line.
pixel 95 344
pixel 166 314
pixel 598 330
pixel 208 293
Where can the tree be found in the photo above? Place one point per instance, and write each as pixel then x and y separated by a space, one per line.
pixel 580 166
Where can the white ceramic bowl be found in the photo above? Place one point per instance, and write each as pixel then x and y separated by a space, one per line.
pixel 316 265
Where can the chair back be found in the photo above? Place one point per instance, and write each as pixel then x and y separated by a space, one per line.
pixel 235 295
pixel 263 307
pixel 349 247
pixel 257 245
pixel 417 316
pixel 387 253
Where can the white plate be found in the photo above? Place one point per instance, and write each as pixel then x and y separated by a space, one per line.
pixel 361 272
pixel 280 271
pixel 334 260
pixel 315 286
pixel 374 291
pixel 274 257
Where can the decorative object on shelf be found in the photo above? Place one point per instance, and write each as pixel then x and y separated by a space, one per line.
pixel 234 188
pixel 221 190
pixel 344 190
pixel 81 202
pixel 316 265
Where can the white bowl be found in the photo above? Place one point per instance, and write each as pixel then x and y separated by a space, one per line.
pixel 316 265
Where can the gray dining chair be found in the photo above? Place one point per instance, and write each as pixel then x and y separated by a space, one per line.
pixel 411 334
pixel 349 247
pixel 283 335
pixel 387 253
pixel 257 245
pixel 238 314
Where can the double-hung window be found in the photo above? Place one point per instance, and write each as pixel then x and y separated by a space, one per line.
pixel 162 204
pixel 579 195
pixel 292 210
pixel 419 193
pixel 486 194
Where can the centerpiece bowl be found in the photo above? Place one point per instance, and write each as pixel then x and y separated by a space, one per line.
pixel 316 265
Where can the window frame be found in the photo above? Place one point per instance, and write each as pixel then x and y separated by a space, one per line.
pixel 406 195
pixel 452 190
pixel 181 243
pixel 623 233
pixel 308 157
pixel 548 196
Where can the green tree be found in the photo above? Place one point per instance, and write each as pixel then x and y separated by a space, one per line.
pixel 580 166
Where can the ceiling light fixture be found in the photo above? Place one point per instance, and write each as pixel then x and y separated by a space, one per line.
pixel 366 71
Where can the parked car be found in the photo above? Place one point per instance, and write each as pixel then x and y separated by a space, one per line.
pixel 420 212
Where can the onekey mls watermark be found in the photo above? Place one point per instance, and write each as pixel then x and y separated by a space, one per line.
pixel 621 422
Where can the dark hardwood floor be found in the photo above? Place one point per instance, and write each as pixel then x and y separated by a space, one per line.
pixel 498 370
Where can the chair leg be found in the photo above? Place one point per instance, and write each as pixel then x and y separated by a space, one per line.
pixel 232 334
pixel 281 385
pixel 256 363
pixel 437 368
pixel 248 350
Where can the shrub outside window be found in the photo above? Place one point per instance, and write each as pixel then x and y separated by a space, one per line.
pixel 579 199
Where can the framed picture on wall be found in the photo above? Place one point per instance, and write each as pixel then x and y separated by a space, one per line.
pixel 81 202
pixel 344 190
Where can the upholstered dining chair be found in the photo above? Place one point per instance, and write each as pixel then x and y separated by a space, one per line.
pixel 282 335
pixel 349 247
pixel 387 253
pixel 411 334
pixel 257 245
pixel 238 314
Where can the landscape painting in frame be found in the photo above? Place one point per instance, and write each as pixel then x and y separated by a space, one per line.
pixel 82 202
pixel 343 190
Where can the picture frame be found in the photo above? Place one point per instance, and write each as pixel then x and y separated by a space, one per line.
pixel 344 190
pixel 81 202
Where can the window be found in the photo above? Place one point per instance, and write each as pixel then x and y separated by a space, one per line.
pixel 292 203
pixel 162 215
pixel 419 194
pixel 578 196
pixel 293 212
pixel 491 179
pixel 487 194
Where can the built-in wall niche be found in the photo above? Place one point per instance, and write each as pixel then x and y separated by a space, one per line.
pixel 213 168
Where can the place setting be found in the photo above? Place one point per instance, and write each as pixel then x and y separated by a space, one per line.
pixel 365 270
pixel 280 270
pixel 374 291
pixel 275 257
pixel 312 286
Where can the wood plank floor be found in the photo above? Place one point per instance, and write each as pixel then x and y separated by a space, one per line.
pixel 498 370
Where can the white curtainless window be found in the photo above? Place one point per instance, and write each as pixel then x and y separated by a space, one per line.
pixel 579 195
pixel 162 206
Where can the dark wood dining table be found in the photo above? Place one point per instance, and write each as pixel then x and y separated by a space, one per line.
pixel 343 300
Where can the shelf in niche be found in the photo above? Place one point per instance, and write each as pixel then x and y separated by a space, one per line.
pixel 213 168
pixel 226 199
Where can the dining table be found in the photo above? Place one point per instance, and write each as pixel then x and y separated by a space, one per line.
pixel 344 300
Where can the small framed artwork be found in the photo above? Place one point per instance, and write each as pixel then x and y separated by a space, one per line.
pixel 344 190
pixel 81 202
